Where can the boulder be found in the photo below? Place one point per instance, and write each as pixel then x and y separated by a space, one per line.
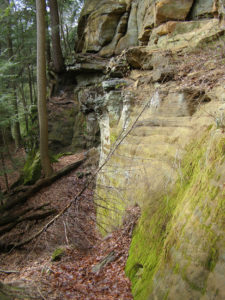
pixel 166 10
pixel 166 28
pixel 87 63
pixel 88 8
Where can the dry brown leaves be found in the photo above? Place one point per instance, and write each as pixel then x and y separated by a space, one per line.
pixel 72 277
pixel 75 279
pixel 203 69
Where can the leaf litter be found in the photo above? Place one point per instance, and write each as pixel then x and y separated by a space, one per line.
pixel 74 276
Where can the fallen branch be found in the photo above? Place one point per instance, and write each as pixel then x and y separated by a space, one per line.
pixel 8 271
pixel 11 218
pixel 38 216
pixel 13 292
pixel 29 191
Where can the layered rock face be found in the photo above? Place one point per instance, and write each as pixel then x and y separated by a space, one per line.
pixel 162 148
pixel 108 27
pixel 159 105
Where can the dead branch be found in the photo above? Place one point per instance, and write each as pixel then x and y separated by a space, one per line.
pixel 10 218
pixel 29 191
pixel 8 271
pixel 38 216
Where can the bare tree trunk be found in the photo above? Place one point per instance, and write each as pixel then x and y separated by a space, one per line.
pixel 41 86
pixel 33 81
pixel 16 125
pixel 57 56
pixel 48 46
pixel 24 107
pixel 62 33
pixel 67 40
pixel 30 85
pixel 4 171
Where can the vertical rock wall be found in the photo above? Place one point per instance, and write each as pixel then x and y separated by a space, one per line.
pixel 109 27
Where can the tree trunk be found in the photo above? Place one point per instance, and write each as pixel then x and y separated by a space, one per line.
pixel 41 86
pixel 33 82
pixel 24 107
pixel 66 50
pixel 16 125
pixel 11 292
pixel 30 85
pixel 19 196
pixel 4 171
pixel 57 56
pixel 48 46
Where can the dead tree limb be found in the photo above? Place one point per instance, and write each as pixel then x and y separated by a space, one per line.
pixel 37 216
pixel 12 292
pixel 9 271
pixel 29 191
pixel 12 217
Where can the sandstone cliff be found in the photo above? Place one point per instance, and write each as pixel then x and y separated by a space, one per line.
pixel 151 75
pixel 108 27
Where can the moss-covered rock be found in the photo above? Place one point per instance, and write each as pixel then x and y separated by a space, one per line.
pixel 57 254
pixel 179 240
pixel 32 169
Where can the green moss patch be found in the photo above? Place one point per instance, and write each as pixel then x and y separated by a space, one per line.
pixel 57 254
pixel 32 168
pixel 166 221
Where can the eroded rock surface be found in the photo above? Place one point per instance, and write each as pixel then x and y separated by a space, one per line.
pixel 108 27
pixel 159 110
pixel 166 10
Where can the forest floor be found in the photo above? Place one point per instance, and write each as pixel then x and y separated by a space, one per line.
pixel 91 267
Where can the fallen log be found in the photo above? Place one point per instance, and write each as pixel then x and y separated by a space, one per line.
pixel 9 271
pixel 29 191
pixel 38 216
pixel 12 292
pixel 12 217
